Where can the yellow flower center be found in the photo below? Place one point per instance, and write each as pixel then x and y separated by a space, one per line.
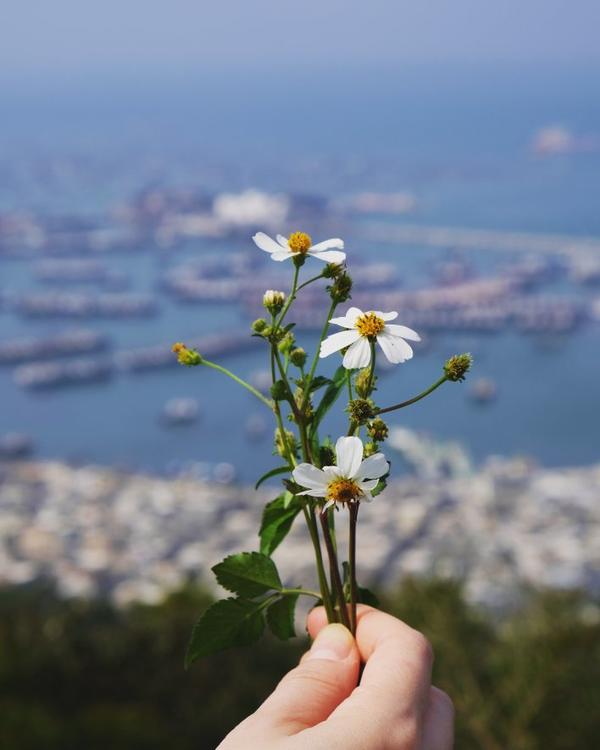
pixel 343 490
pixel 369 325
pixel 299 242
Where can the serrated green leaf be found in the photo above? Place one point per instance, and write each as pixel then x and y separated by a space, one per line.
pixel 226 623
pixel 271 473
pixel 280 617
pixel 278 517
pixel 329 397
pixel 248 574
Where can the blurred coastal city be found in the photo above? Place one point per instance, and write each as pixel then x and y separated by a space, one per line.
pixel 120 234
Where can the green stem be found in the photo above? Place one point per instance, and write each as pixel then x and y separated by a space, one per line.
pixel 238 380
pixel 276 408
pixel 336 582
pixel 372 372
pixel 413 400
pixel 301 592
pixel 290 299
pixel 313 366
pixel 353 508
pixel 311 522
pixel 310 281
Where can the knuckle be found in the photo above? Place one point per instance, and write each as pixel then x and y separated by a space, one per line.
pixel 422 648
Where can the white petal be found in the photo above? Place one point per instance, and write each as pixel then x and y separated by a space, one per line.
pixel 394 348
pixel 349 453
pixel 404 332
pixel 315 493
pixel 283 241
pixel 265 242
pixel 326 244
pixel 349 319
pixel 386 316
pixel 367 498
pixel 373 467
pixel 329 256
pixel 338 341
pixel 367 485
pixel 309 476
pixel 358 355
pixel 328 504
pixel 282 254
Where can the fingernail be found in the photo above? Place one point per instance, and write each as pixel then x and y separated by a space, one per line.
pixel 334 643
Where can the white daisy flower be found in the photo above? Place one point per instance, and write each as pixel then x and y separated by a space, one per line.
pixel 364 327
pixel 300 243
pixel 351 481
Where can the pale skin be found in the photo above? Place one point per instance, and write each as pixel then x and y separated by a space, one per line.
pixel 320 705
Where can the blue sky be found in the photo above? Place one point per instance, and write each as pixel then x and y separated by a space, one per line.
pixel 137 36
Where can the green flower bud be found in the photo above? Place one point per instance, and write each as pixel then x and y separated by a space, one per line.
pixel 340 290
pixel 370 449
pixel 333 270
pixel 273 301
pixel 458 366
pixel 185 356
pixel 260 325
pixel 361 410
pixel 298 357
pixel 326 455
pixel 361 382
pixel 278 390
pixel 290 445
pixel 308 407
pixel 378 430
pixel 287 343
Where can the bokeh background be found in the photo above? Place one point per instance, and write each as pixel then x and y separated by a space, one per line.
pixel 456 149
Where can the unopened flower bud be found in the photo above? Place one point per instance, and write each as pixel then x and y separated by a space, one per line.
pixel 304 404
pixel 340 290
pixel 361 382
pixel 287 446
pixel 278 390
pixel 185 356
pixel 260 325
pixel 333 270
pixel 378 430
pixel 326 455
pixel 370 449
pixel 273 301
pixel 458 366
pixel 361 410
pixel 298 357
pixel 287 343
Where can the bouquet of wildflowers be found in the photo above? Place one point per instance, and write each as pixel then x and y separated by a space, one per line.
pixel 324 482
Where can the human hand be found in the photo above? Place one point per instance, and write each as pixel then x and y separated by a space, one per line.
pixel 320 704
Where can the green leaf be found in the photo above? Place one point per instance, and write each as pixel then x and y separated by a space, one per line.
pixel 280 617
pixel 278 517
pixel 318 382
pixel 366 596
pixel 248 574
pixel 329 397
pixel 272 473
pixel 226 623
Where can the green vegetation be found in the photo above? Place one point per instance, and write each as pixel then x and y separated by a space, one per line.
pixel 77 674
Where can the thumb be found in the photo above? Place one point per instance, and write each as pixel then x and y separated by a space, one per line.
pixel 326 676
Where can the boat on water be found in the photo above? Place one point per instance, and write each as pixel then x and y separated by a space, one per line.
pixel 180 411
pixel 483 390
pixel 15 445
pixel 72 342
pixel 47 375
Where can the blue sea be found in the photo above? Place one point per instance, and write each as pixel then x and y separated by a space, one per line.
pixel 458 138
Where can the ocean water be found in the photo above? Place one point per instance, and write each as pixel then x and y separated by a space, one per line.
pixel 458 139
